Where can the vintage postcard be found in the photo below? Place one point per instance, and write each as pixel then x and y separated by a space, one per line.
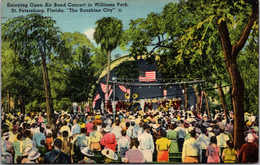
pixel 129 81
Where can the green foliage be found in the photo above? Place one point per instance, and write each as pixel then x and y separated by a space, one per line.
pixel 249 69
pixel 81 77
pixel 127 70
pixel 62 104
pixel 108 33
pixel 20 77
pixel 69 62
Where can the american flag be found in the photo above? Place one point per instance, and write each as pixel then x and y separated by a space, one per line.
pixel 95 100
pixel 148 76
pixel 103 87
pixel 123 88
pixel 128 91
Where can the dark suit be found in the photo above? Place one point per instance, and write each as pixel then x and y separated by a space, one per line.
pixel 62 159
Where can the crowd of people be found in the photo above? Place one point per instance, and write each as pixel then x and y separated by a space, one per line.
pixel 126 137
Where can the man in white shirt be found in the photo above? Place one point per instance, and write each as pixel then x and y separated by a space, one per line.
pixel 116 130
pixel 191 152
pixel 181 133
pixel 204 141
pixel 146 144
pixel 222 139
pixel 75 129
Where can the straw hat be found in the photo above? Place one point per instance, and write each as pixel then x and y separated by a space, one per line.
pixel 26 151
pixel 209 129
pixel 190 129
pixel 109 154
pixel 6 135
pixel 34 154
pixel 108 128
pixel 250 137
pixel 87 151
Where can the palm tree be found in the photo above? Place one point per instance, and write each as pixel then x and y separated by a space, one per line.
pixel 108 33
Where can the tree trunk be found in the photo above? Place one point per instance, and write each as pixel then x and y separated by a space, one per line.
pixel 238 104
pixel 197 98
pixel 2 103
pixel 108 76
pixel 222 98
pixel 9 102
pixel 230 55
pixel 47 90
pixel 207 104
pixel 22 108
pixel 185 97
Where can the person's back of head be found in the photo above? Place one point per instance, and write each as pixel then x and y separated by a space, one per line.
pixel 58 143
pixel 213 140
pixel 123 132
pixel 181 122
pixel 83 130
pixel 117 123
pixel 193 133
pixel 134 142
pixel 230 144
pixel 64 123
pixel 19 136
pixel 27 134
pixel 132 123
pixel 127 124
pixel 42 142
pixel 163 133
pixel 65 134
pixel 20 129
pixel 94 128
pixel 146 127
pixel 42 130
pixel 204 130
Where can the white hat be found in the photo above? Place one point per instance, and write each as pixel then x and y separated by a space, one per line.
pixel 34 154
pixel 87 151
pixel 6 135
pixel 26 151
pixel 209 129
pixel 109 153
pixel 108 128
pixel 250 137
pixel 190 129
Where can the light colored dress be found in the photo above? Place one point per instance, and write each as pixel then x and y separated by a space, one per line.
pixel 172 136
pixel 213 154
pixel 230 155
pixel 17 150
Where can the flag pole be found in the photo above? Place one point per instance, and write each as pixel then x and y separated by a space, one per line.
pixel 114 98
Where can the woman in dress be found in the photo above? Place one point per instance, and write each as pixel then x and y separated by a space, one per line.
pixel 172 136
pixel 213 151
pixel 229 154
pixel 17 147
pixel 163 147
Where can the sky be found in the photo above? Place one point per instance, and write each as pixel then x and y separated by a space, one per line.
pixel 84 22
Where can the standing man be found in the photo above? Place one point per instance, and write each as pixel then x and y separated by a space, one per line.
pixel 146 144
pixel 75 129
pixel 56 155
pixel 191 152
pixel 181 133
pixel 249 151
